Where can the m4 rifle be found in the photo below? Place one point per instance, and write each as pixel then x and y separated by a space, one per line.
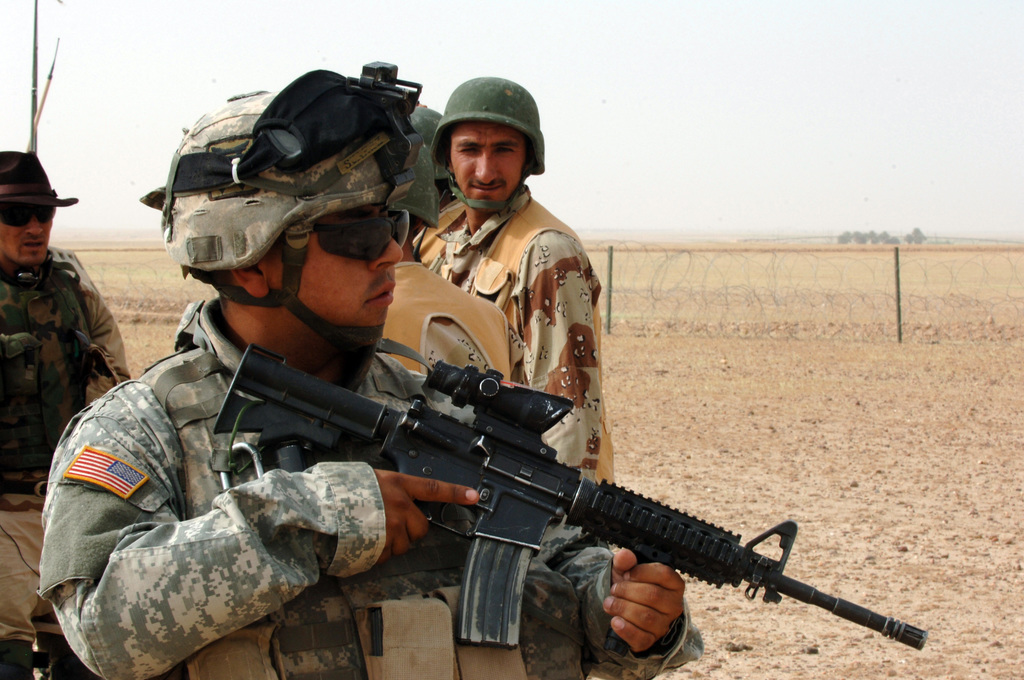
pixel 523 488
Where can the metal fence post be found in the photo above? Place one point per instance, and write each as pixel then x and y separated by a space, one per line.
pixel 608 296
pixel 899 307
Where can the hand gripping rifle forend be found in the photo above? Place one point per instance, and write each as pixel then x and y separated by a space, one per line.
pixel 658 533
pixel 523 489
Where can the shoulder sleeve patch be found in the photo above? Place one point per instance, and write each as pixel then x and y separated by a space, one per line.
pixel 98 467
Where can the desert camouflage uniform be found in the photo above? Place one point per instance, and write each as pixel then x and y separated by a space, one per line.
pixel 551 299
pixel 440 322
pixel 59 349
pixel 166 574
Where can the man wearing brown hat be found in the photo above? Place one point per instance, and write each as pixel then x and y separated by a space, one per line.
pixel 60 348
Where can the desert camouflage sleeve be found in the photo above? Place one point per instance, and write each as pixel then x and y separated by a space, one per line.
pixel 557 290
pixel 138 588
pixel 516 357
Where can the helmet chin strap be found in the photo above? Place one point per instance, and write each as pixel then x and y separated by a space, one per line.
pixel 344 338
pixel 478 204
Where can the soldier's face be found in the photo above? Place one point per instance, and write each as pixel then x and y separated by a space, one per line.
pixel 24 246
pixel 487 159
pixel 347 291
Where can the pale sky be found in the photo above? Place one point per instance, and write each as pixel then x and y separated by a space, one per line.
pixel 682 118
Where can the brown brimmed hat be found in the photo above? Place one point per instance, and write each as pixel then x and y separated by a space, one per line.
pixel 23 180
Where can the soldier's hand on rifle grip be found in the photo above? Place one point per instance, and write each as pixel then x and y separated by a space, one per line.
pixel 645 600
pixel 405 522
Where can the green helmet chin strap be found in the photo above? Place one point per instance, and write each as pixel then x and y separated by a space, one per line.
pixel 345 338
pixel 478 204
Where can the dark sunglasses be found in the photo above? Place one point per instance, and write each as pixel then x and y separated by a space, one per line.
pixel 20 215
pixel 364 239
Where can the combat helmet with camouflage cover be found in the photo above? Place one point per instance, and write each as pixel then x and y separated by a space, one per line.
pixel 492 100
pixel 272 164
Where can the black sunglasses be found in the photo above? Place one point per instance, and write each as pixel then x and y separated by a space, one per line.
pixel 20 215
pixel 364 239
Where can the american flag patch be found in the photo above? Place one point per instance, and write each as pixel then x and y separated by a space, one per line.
pixel 97 467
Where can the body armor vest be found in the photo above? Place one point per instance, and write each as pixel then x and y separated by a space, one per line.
pixel 313 636
pixel 498 274
pixel 499 270
pixel 43 334
pixel 420 294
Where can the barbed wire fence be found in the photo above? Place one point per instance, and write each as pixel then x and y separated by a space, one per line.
pixel 956 293
pixel 141 286
pixel 971 293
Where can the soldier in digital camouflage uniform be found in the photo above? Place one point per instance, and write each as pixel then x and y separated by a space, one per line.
pixel 430 315
pixel 59 349
pixel 155 569
pixel 501 244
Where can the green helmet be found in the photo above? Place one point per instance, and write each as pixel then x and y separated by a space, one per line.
pixel 425 121
pixel 422 200
pixel 493 100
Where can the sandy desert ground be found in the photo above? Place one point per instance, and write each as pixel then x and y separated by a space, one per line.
pixel 901 464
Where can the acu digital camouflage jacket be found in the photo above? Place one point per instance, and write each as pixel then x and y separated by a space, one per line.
pixel 160 568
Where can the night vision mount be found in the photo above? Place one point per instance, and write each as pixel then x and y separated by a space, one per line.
pixel 314 118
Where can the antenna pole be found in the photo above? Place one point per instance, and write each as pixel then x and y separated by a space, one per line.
pixel 35 64
pixel 46 90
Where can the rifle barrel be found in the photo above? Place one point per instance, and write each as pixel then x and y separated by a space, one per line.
pixel 886 625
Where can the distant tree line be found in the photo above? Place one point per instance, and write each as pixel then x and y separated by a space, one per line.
pixel 860 237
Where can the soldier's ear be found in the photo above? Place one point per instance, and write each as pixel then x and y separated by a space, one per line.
pixel 254 280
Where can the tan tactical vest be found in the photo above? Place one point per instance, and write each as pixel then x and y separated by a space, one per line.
pixel 41 383
pixel 499 272
pixel 423 298
pixel 432 247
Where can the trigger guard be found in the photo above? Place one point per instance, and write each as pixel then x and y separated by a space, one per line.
pixel 450 516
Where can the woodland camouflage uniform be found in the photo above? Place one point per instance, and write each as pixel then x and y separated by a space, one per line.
pixel 49 369
pixel 60 348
